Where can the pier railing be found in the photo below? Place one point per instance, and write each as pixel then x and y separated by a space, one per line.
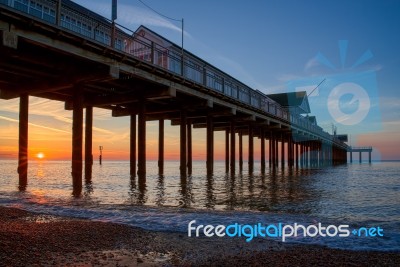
pixel 94 27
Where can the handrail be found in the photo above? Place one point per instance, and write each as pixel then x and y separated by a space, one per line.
pixel 97 28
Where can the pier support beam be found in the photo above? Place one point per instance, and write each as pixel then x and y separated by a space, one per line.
pixel 240 151
pixel 210 145
pixel 269 150
pixel 360 158
pixel 88 143
pixel 132 146
pixel 276 151
pixel 273 150
pixel 23 141
pixel 251 149
pixel 233 146
pixel 282 151
pixel 161 146
pixel 183 142
pixel 262 134
pixel 142 141
pixel 189 147
pixel 369 156
pixel 227 149
pixel 77 140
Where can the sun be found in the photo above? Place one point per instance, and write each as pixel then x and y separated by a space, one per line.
pixel 40 155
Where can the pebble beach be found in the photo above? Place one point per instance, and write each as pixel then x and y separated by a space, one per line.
pixel 31 239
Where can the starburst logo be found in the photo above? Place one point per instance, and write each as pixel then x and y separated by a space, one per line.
pixel 348 96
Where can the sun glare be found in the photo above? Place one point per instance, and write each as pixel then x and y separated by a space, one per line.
pixel 40 155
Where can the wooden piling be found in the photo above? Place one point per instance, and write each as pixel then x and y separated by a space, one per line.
pixel 88 143
pixel 161 146
pixel 142 141
pixel 210 145
pixel 240 151
pixel 189 147
pixel 262 136
pixel 227 149
pixel 183 142
pixel 23 141
pixel 77 140
pixel 251 149
pixel 132 146
pixel 233 146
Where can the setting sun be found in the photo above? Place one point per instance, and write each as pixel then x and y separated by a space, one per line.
pixel 40 155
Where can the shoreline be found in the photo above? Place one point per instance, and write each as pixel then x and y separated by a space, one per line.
pixel 28 238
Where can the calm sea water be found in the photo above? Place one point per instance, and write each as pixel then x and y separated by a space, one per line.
pixel 361 195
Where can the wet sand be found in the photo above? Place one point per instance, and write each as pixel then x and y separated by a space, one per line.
pixel 29 239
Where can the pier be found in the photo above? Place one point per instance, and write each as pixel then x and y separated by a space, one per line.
pixel 61 51
pixel 360 150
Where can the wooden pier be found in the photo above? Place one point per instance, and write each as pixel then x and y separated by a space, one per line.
pixel 360 150
pixel 64 52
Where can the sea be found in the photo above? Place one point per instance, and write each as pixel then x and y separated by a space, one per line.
pixel 360 195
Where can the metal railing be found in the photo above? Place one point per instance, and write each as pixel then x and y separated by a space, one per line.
pixel 99 29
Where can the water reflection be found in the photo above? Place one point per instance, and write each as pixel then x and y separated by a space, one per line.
pixel 40 170
pixel 276 189
pixel 160 191
pixel 186 197
pixel 210 198
pixel 88 188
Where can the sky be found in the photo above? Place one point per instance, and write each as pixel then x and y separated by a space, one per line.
pixel 272 46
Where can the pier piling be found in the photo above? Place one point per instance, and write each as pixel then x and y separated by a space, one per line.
pixel 142 141
pixel 23 141
pixel 77 138
pixel 132 145
pixel 233 146
pixel 88 143
pixel 161 146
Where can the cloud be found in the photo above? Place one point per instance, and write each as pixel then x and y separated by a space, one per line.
pixel 49 108
pixel 311 63
pixel 33 124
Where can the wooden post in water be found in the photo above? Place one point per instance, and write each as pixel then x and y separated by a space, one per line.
pixel 289 152
pixel 88 143
pixel 360 158
pixel 142 141
pixel 189 147
pixel 297 155
pixel 240 150
pixel 23 141
pixel 227 149
pixel 183 161
pixel 270 150
pixel 132 146
pixel 233 146
pixel 210 145
pixel 262 150
pixel 251 149
pixel 273 150
pixel 77 138
pixel 282 151
pixel 276 151
pixel 161 146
